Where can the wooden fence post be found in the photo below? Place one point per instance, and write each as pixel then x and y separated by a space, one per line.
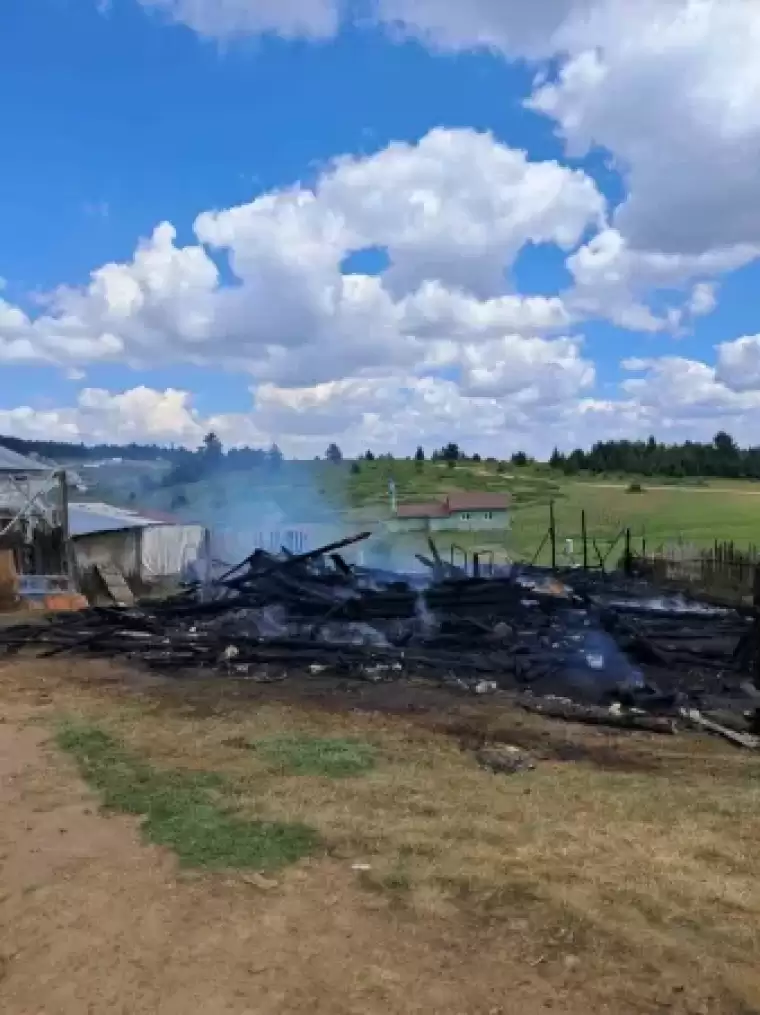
pixel 756 644
pixel 553 535
pixel 69 555
pixel 628 562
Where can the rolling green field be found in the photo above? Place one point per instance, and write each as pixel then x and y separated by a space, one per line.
pixel 664 512
pixel 661 516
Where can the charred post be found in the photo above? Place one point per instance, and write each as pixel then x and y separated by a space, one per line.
pixel 628 556
pixel 553 535
pixel 756 644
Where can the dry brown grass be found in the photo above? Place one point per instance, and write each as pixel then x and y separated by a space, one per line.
pixel 602 866
pixel 635 888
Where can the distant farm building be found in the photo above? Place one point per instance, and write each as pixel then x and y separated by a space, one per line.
pixel 458 512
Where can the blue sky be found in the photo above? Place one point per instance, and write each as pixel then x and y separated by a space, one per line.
pixel 117 121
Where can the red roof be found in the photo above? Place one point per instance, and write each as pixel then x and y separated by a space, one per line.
pixel 437 509
pixel 455 502
pixel 479 501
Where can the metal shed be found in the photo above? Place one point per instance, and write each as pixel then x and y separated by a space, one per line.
pixel 147 549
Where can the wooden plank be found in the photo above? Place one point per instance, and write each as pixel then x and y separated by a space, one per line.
pixel 696 718
pixel 116 583
pixel 8 579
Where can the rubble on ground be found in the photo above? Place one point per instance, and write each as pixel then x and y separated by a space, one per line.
pixel 583 648
pixel 504 759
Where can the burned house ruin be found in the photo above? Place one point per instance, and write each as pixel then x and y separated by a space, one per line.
pixel 582 645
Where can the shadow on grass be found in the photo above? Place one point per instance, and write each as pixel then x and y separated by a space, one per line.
pixel 180 809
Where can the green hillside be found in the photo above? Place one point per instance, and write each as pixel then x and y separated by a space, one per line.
pixel 353 495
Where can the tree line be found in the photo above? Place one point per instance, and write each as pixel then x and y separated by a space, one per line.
pixel 192 463
pixel 63 451
pixel 722 457
pixel 211 459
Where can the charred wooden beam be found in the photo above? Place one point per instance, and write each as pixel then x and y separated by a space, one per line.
pixel 596 716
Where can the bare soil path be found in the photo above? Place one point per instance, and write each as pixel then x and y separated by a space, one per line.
pixel 730 491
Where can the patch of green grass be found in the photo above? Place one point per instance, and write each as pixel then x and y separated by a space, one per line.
pixel 334 758
pixel 181 810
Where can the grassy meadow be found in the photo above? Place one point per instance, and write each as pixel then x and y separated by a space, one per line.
pixel 664 512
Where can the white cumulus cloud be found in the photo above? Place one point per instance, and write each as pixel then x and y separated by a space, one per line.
pixel 670 87
pixel 544 399
pixel 224 19
pixel 452 212
pixel 498 396
pixel 513 27
pixel 139 414
pixel 613 279
pixel 738 365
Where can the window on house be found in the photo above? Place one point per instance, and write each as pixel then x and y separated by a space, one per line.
pixel 465 516
pixel 489 516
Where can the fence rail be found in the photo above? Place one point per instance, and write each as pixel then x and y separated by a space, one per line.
pixel 723 571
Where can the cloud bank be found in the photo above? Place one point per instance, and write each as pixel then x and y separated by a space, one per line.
pixel 440 338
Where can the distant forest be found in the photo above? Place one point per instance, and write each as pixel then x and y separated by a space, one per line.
pixel 721 458
pixel 60 451
pixel 186 466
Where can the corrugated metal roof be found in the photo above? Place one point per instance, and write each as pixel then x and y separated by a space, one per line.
pixel 88 518
pixel 164 516
pixel 10 461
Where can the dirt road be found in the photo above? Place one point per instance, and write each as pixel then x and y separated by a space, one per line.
pixel 93 921
pixel 732 491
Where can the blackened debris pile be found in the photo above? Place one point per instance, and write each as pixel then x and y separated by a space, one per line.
pixel 313 613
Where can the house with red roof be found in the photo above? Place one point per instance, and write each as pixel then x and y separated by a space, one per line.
pixel 469 511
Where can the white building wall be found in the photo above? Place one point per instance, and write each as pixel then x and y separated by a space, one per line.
pixel 121 549
pixel 462 521
pixel 472 521
pixel 169 550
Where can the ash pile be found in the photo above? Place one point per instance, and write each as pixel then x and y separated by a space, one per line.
pixel 585 639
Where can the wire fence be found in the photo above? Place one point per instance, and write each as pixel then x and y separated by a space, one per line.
pixel 723 571
pixel 616 545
